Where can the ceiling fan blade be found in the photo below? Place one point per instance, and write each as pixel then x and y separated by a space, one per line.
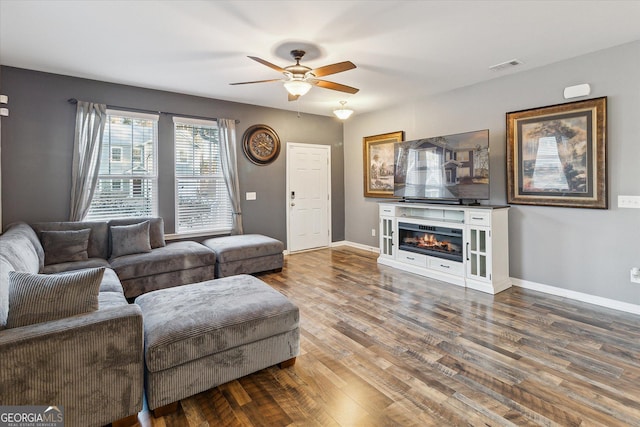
pixel 334 86
pixel 293 97
pixel 268 64
pixel 257 81
pixel 333 68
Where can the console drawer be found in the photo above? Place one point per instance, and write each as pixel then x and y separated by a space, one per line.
pixel 412 258
pixel 479 218
pixel 446 266
pixel 387 210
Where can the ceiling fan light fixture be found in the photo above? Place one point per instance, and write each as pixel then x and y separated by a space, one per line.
pixel 299 78
pixel 343 113
pixel 297 87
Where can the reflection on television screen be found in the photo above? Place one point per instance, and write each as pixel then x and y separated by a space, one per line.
pixel 450 167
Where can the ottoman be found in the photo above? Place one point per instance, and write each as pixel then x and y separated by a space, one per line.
pixel 245 254
pixel 205 334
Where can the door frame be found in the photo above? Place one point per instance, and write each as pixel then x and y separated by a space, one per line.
pixel 287 198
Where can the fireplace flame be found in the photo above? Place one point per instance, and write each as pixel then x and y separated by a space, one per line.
pixel 431 242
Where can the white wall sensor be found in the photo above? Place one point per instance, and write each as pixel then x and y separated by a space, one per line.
pixel 577 90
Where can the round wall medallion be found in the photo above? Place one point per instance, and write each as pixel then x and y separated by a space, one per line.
pixel 261 144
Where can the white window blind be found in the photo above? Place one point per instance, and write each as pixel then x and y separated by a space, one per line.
pixel 202 200
pixel 128 179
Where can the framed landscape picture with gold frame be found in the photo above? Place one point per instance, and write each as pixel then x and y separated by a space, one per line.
pixel 557 155
pixel 378 163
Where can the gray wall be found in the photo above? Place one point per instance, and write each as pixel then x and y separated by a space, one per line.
pixel 583 250
pixel 37 142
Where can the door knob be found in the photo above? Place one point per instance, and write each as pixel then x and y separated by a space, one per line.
pixel 293 204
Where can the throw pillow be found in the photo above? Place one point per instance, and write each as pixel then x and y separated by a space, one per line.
pixel 156 228
pixel 130 239
pixel 65 246
pixel 37 298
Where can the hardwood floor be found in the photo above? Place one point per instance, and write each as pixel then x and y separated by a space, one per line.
pixel 380 347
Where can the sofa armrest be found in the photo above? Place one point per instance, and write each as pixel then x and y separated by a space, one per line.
pixel 91 364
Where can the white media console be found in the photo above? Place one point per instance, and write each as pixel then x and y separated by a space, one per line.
pixel 464 245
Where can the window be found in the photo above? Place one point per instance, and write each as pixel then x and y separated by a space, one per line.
pixel 116 154
pixel 137 187
pixel 181 156
pixel 462 156
pixel 202 200
pixel 136 155
pixel 127 178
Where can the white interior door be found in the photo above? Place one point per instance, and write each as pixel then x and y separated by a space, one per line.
pixel 308 196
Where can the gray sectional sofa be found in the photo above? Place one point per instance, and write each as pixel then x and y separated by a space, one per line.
pixel 90 362
pixel 69 335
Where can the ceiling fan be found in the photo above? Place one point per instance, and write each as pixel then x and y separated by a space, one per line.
pixel 299 78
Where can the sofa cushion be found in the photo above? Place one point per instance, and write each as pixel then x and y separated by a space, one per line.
pixel 75 265
pixel 130 239
pixel 108 300
pixel 111 293
pixel 193 321
pixel 20 250
pixel 37 298
pixel 243 246
pixel 156 228
pixel 110 282
pixel 65 246
pixel 98 239
pixel 5 268
pixel 175 256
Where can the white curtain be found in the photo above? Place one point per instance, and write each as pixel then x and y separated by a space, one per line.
pixel 227 128
pixel 90 122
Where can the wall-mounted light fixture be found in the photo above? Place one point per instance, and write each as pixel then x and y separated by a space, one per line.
pixel 343 113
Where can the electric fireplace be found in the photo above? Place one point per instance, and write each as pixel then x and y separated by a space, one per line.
pixel 437 241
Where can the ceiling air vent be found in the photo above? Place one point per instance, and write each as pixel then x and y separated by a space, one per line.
pixel 505 65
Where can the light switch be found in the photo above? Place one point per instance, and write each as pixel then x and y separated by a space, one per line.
pixel 629 202
pixel 251 195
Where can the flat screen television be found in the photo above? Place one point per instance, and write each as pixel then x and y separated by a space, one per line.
pixel 450 168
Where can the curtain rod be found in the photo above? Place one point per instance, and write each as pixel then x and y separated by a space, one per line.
pixel 140 110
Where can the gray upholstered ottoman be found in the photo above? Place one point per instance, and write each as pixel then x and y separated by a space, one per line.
pixel 245 254
pixel 205 334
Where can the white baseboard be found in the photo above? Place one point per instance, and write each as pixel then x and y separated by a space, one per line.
pixel 578 296
pixel 341 243
pixel 355 245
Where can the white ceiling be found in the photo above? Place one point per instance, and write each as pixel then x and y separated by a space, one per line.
pixel 402 49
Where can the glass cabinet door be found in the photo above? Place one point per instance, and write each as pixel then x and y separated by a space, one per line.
pixel 386 236
pixel 477 254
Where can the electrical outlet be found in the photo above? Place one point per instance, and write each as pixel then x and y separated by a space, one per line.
pixel 629 202
pixel 373 232
pixel 635 275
